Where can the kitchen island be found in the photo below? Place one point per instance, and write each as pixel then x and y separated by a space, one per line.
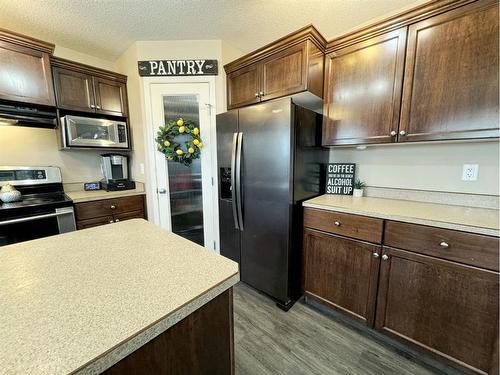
pixel 123 298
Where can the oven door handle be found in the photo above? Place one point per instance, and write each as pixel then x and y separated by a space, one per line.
pixel 59 212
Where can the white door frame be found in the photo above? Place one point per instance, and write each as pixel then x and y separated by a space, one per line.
pixel 150 145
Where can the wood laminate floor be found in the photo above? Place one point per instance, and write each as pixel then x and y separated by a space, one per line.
pixel 306 341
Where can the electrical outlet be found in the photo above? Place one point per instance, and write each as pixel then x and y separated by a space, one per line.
pixel 141 167
pixel 469 172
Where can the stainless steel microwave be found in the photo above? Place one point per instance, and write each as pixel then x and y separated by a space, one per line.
pixel 77 131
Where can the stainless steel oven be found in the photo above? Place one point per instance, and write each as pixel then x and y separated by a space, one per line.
pixel 43 209
pixel 77 131
pixel 44 224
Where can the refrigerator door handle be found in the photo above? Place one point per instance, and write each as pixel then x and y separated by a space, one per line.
pixel 233 180
pixel 239 203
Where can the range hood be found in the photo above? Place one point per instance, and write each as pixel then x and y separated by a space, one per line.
pixel 11 114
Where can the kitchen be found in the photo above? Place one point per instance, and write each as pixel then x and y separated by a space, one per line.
pixel 195 235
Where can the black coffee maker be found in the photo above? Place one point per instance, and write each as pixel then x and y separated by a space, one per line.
pixel 114 167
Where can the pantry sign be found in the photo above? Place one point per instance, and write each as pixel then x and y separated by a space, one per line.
pixel 340 178
pixel 153 68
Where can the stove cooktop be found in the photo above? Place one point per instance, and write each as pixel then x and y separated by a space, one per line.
pixel 34 204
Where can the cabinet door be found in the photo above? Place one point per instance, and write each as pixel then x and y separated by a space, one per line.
pixel 341 273
pixel 110 97
pixel 26 75
pixel 451 76
pixel 445 307
pixel 243 86
pixel 363 91
pixel 94 222
pixel 73 90
pixel 285 72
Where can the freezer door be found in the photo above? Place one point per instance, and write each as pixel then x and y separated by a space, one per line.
pixel 227 128
pixel 266 197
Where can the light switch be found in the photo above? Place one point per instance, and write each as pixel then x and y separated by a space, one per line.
pixel 469 172
pixel 141 167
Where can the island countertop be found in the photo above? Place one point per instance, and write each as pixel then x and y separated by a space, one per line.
pixel 82 301
pixel 467 219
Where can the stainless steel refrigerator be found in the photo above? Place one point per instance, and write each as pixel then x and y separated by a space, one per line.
pixel 269 161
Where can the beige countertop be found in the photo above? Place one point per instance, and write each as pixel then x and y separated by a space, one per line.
pixel 79 302
pixel 468 219
pixel 87 196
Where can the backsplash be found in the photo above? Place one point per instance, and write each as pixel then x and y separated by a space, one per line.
pixel 33 147
pixel 430 166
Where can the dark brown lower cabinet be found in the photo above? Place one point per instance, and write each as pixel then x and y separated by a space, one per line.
pixel 341 273
pixel 200 344
pixel 448 308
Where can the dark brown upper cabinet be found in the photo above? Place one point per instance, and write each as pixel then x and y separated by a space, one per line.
pixel 363 91
pixel 448 307
pixel 291 65
pixel 74 90
pixel 86 89
pixel 25 64
pixel 243 86
pixel 451 76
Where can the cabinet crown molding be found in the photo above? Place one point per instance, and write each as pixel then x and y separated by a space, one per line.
pixel 405 18
pixel 308 32
pixel 87 69
pixel 26 41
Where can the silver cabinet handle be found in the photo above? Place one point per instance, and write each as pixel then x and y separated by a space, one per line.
pixel 385 257
pixel 376 255
pixel 113 207
pixel 444 244
pixel 337 223
pixel 117 220
pixel 111 221
pixel 162 191
pixel 393 133
pixel 98 107
pixel 92 106
pixel 402 132
pixel 261 93
pixel 256 94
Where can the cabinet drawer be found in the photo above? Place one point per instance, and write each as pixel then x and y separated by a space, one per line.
pixel 355 226
pixel 473 249
pixel 89 210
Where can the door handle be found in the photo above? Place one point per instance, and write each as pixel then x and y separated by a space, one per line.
pixel 239 204
pixel 161 191
pixel 233 180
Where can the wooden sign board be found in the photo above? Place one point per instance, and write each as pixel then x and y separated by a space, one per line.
pixel 340 178
pixel 154 68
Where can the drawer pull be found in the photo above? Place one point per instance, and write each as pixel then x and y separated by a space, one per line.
pixel 385 257
pixel 337 223
pixel 444 244
pixel 117 220
pixel 111 221
pixel 376 255
pixel 113 206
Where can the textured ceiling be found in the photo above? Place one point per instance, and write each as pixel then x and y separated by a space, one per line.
pixel 106 28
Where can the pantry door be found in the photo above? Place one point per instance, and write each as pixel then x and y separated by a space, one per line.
pixel 184 195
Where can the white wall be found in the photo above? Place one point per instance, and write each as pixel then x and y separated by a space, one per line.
pixel 165 50
pixel 38 147
pixel 430 166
